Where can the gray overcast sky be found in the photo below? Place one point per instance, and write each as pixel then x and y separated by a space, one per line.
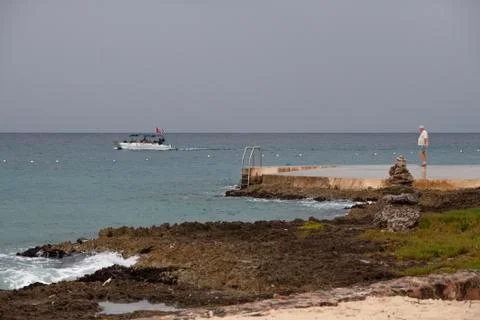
pixel 239 66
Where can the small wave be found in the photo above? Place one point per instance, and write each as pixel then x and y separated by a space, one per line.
pixel 17 272
pixel 338 205
pixel 323 205
pixel 235 186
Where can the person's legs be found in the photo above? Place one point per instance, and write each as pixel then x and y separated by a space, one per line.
pixel 423 156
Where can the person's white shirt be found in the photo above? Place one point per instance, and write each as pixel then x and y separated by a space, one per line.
pixel 422 137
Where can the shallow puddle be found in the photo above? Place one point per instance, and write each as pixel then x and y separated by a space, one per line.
pixel 143 305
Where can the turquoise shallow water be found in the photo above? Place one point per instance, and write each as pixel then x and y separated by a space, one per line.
pixel 57 187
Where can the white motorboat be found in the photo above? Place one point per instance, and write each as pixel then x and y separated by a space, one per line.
pixel 144 142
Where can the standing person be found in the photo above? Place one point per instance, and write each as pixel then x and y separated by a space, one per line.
pixel 423 145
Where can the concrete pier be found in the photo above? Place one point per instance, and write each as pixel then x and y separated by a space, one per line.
pixel 357 177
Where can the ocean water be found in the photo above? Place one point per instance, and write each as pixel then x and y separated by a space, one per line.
pixel 57 187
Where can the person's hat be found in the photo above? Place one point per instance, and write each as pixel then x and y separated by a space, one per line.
pixel 421 126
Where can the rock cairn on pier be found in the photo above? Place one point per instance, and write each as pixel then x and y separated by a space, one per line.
pixel 399 174
pixel 400 211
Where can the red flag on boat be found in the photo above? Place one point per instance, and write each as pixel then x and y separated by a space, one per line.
pixel 159 131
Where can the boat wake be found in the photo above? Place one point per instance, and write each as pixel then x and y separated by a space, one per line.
pixel 17 272
pixel 202 149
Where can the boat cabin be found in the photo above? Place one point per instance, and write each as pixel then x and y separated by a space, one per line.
pixel 145 138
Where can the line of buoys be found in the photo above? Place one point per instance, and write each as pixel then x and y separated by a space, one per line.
pixel 376 153
pixel 263 155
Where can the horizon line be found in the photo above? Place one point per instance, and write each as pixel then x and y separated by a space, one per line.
pixel 234 132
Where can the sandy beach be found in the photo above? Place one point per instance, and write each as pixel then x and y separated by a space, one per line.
pixel 375 308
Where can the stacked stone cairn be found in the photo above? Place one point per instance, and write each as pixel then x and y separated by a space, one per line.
pixel 399 211
pixel 399 174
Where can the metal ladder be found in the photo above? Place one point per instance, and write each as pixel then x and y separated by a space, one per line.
pixel 249 152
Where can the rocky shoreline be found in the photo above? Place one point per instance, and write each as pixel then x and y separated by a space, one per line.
pixel 218 268
pixel 429 200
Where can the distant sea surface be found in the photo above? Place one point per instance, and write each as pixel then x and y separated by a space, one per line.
pixel 57 187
